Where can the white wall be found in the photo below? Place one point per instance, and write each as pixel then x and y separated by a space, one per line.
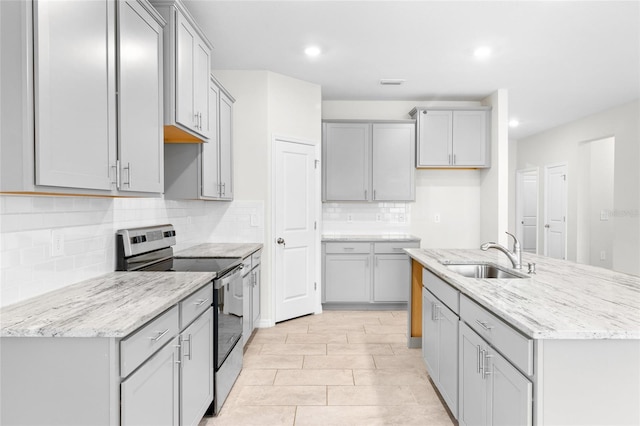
pixel 462 198
pixel 267 104
pixel 89 224
pixel 562 144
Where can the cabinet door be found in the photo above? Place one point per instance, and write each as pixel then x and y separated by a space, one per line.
pixel 430 331
pixel 196 377
pixel 391 278
pixel 469 138
pixel 150 395
pixel 346 155
pixel 255 305
pixel 393 161
pixel 473 408
pixel 247 287
pixel 434 138
pixel 226 141
pixel 186 37
pixel 74 60
pixel 448 357
pixel 139 99
pixel 347 278
pixel 210 151
pixel 510 393
pixel 201 72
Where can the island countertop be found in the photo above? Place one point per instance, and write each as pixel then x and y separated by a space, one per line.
pixel 220 250
pixel 563 300
pixel 112 305
pixel 368 237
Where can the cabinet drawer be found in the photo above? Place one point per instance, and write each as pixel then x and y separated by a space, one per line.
pixel 246 265
pixel 196 304
pixel 137 347
pixel 443 291
pixel 363 248
pixel 513 345
pixel 256 258
pixel 394 247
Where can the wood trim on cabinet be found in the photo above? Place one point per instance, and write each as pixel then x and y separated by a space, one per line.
pixel 173 134
pixel 416 299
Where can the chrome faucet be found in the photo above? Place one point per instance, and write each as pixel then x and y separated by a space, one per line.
pixel 515 257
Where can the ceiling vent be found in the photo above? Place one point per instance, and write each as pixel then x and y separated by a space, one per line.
pixel 391 82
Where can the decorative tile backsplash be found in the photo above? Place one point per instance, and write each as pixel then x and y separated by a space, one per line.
pixel 366 218
pixel 48 242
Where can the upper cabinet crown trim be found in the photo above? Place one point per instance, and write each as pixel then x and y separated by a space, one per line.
pixel 222 88
pixel 183 9
pixel 148 7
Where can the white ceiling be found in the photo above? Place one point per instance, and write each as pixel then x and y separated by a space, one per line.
pixel 559 60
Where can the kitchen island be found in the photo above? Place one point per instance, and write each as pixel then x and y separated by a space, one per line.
pixel 568 334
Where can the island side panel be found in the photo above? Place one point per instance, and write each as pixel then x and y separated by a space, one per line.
pixel 587 382
pixel 58 381
pixel 415 306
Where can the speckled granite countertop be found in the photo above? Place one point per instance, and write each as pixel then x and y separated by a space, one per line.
pixel 220 250
pixel 563 300
pixel 371 237
pixel 112 305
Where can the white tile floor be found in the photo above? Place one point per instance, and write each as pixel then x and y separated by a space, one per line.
pixel 336 368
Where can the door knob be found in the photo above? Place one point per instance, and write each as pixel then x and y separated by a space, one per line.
pixel 281 241
pixel 547 226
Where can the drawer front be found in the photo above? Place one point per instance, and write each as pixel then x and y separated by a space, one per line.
pixel 395 247
pixel 256 258
pixel 513 345
pixel 137 347
pixel 246 265
pixel 196 304
pixel 347 248
pixel 443 291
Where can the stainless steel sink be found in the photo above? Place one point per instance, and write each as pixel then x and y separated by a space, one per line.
pixel 482 270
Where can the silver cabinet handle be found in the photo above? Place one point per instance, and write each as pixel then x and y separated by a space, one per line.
pixel 365 194
pixel 374 194
pixel 484 325
pixel 201 302
pixel 349 248
pixel 160 335
pixel 128 169
pixel 449 158
pixel 454 159
pixel 433 311
pixel 482 352
pixel 485 367
pixel 188 339
pixel 195 120
pixel 115 173
pixel 478 359
pixel 224 188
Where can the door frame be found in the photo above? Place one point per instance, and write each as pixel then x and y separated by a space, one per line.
pixel 546 205
pixel 275 138
pixel 519 201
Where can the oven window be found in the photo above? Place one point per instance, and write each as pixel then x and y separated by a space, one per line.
pixel 229 313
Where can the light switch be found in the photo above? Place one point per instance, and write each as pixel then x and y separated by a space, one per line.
pixel 57 243
pixel 436 218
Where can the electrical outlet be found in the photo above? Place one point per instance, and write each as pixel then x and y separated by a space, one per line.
pixel 349 218
pixel 603 255
pixel 57 243
pixel 436 218
pixel 254 220
pixel 401 217
pixel 604 215
pixel 378 217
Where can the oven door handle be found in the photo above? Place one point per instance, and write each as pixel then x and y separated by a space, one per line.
pixel 234 274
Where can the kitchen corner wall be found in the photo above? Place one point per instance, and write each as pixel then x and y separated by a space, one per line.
pixel 88 226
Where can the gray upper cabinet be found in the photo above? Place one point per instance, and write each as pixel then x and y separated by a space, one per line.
pixel 368 161
pixel 140 146
pixel 61 132
pixel 187 64
pixel 204 170
pixel 450 138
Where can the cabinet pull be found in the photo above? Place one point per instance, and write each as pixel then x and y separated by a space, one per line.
pixel 188 339
pixel 349 248
pixel 481 368
pixel 115 173
pixel 433 311
pixel 449 158
pixel 224 189
pixel 365 194
pixel 454 159
pixel 478 359
pixel 195 120
pixel 484 325
pixel 485 369
pixel 160 335
pixel 374 194
pixel 201 302
pixel 128 169
pixel 200 120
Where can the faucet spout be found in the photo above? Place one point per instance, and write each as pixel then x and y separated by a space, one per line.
pixel 515 257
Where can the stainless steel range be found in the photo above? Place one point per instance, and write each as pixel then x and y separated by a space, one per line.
pixel 150 249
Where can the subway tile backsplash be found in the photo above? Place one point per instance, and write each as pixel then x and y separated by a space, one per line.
pixel 366 218
pixel 29 267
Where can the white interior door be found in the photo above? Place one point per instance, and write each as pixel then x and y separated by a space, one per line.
pixel 527 209
pixel 555 221
pixel 294 229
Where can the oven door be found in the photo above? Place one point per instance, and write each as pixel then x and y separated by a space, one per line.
pixel 228 303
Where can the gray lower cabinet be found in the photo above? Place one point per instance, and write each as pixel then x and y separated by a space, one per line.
pixel 492 391
pixel 373 273
pixel 251 295
pixel 151 394
pixel 440 347
pixel 368 161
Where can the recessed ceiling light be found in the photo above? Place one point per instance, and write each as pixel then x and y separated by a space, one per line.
pixel 312 51
pixel 514 123
pixel 391 81
pixel 482 52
